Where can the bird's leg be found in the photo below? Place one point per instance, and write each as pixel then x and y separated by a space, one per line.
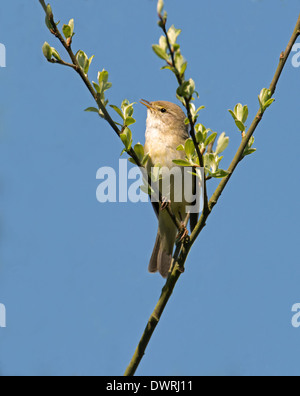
pixel 165 202
pixel 183 233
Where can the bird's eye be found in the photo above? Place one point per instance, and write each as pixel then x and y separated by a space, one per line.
pixel 163 110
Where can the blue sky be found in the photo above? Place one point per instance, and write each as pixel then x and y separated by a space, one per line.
pixel 73 272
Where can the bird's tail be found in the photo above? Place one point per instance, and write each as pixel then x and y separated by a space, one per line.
pixel 160 259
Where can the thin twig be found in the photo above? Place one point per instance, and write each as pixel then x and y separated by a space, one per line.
pixel 180 81
pixel 55 31
pixel 177 270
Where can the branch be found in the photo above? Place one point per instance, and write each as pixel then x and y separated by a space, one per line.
pixel 179 264
pixel 67 45
pixel 180 81
pixel 43 5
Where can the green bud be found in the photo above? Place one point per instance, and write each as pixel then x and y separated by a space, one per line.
pixel 47 51
pixel 265 99
pixel 49 12
pixel 160 6
pixel 139 151
pixel 55 54
pixel 189 148
pixel 173 33
pixel 66 29
pixel 117 110
pixel 71 24
pixel 211 138
pixel 222 143
pixel 160 52
pixel 92 110
pixel 182 163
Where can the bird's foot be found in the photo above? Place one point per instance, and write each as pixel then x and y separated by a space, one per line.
pixel 165 202
pixel 183 234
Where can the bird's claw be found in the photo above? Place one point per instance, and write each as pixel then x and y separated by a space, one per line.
pixel 165 202
pixel 182 234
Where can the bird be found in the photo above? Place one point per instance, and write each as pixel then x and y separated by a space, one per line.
pixel 165 131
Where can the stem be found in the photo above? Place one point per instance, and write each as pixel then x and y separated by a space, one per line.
pixel 55 31
pixel 43 5
pixel 180 81
pixel 177 270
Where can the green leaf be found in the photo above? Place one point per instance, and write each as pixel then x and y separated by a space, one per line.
pixel 240 125
pixel 222 143
pixel 268 103
pixel 168 67
pixel 92 109
pixel 233 115
pixel 147 189
pixel 96 86
pixel 185 90
pixel 129 121
pixel 249 151
pixel 173 33
pixel 55 54
pixel 126 138
pixel 48 23
pixel 132 161
pixel 176 47
pixel 183 69
pixel 238 111
pixel 139 150
pixel 82 59
pixel 163 43
pixel 220 173
pixel 47 51
pixel 160 52
pixel 49 12
pixel 71 24
pixel 180 147
pixel 189 148
pixel 181 163
pixel 180 62
pixel 103 76
pixel 265 99
pixel 211 138
pixel 88 64
pixel 145 159
pixel 245 114
pixel 200 108
pixel 240 115
pixel 127 108
pixel 66 29
pixel 199 137
pixel 116 108
pixel 160 6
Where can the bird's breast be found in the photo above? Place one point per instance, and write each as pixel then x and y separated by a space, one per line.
pixel 161 147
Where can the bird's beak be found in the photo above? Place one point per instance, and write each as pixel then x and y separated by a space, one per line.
pixel 146 103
